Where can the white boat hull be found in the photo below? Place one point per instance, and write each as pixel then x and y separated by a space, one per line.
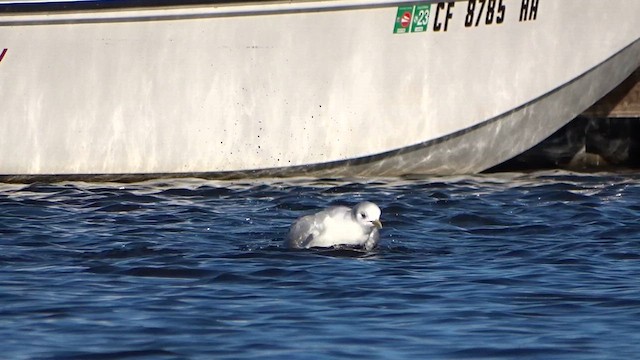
pixel 301 88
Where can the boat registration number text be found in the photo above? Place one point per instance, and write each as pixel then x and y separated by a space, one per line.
pixel 416 18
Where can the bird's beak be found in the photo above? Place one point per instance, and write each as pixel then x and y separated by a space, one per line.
pixel 377 224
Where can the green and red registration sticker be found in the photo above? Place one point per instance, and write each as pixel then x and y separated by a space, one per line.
pixel 412 19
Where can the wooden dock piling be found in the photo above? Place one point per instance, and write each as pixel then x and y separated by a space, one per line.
pixel 622 102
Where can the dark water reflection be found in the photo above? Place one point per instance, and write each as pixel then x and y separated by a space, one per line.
pixel 544 265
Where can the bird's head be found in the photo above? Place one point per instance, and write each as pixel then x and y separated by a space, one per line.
pixel 368 214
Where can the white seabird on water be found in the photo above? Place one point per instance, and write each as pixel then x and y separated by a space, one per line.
pixel 337 226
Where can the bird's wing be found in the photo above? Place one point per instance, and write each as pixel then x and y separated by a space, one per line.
pixel 302 232
pixel 338 212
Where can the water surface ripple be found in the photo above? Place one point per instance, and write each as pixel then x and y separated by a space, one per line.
pixel 542 265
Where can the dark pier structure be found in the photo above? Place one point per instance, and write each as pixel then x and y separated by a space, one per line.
pixel 605 137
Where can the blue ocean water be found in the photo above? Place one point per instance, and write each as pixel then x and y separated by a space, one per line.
pixel 530 266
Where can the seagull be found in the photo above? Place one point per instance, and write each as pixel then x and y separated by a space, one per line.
pixel 337 226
